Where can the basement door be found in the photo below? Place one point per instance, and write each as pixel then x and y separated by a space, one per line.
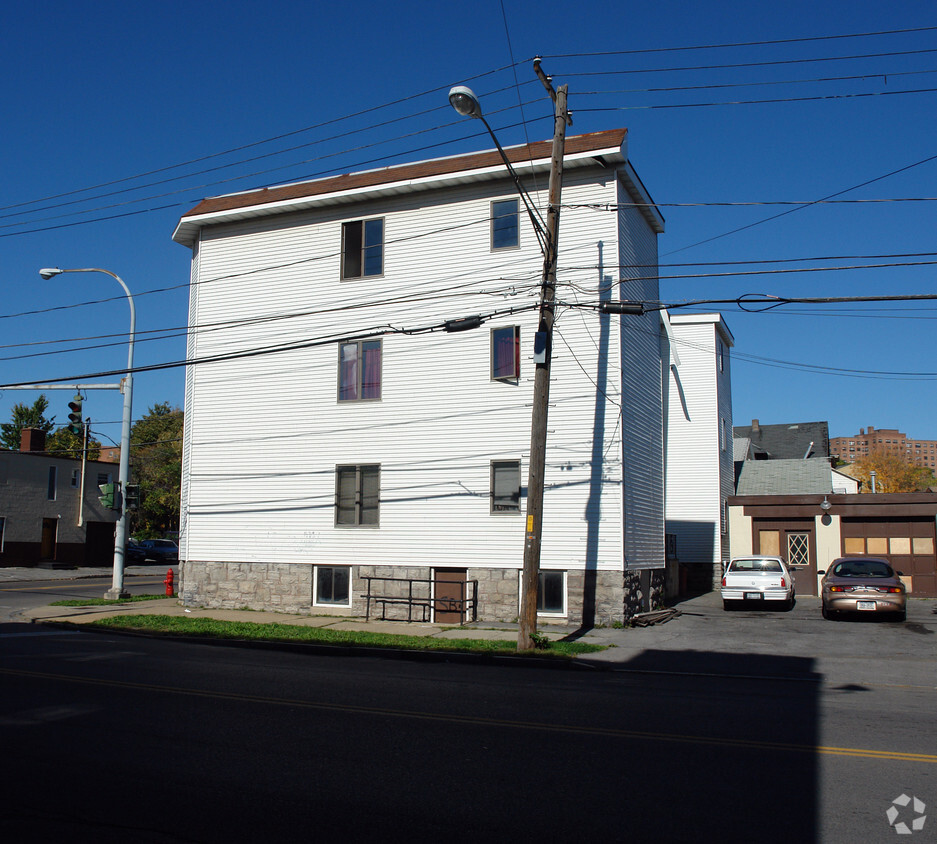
pixel 449 596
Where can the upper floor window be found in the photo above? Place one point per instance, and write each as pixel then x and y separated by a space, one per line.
pixel 53 474
pixel 505 231
pixel 506 353
pixel 357 495
pixel 359 370
pixel 362 248
pixel 505 486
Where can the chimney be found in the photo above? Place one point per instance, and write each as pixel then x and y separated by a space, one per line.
pixel 32 440
pixel 755 428
pixel 871 429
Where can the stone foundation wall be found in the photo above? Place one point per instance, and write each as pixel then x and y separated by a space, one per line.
pixel 593 598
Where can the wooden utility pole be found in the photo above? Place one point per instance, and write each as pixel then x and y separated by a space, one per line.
pixel 543 349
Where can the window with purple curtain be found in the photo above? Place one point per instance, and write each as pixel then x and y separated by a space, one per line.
pixel 506 353
pixel 359 370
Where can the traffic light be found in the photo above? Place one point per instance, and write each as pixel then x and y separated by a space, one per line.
pixel 108 496
pixel 74 418
pixel 132 497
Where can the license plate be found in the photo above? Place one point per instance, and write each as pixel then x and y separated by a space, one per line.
pixel 753 596
pixel 865 605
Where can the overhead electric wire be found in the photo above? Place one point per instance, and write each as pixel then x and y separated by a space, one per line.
pixel 764 43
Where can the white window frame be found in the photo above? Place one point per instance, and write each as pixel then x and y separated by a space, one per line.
pixel 53 488
pixel 76 478
pixel 545 613
pixel 517 223
pixel 362 257
pixel 315 588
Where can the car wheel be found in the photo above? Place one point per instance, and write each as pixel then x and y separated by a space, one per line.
pixel 902 616
pixel 727 605
pixel 827 614
pixel 789 604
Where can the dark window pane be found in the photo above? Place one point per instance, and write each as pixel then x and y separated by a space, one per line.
pixel 506 486
pixel 340 585
pixel 351 249
pixel 504 227
pixel 505 353
pixel 324 585
pixel 370 494
pixel 373 247
pixel 550 592
pixel 345 504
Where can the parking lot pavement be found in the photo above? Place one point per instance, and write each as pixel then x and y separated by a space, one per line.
pixel 707 639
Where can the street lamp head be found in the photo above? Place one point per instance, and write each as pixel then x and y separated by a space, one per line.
pixel 464 101
pixel 49 272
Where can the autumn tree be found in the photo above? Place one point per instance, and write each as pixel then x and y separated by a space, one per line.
pixel 893 473
pixel 156 465
pixel 25 416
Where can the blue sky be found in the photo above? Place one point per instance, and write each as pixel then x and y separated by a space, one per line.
pixel 119 117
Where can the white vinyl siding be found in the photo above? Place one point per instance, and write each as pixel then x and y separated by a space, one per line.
pixel 700 473
pixel 260 483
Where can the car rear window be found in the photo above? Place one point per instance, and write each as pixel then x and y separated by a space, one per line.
pixel 863 568
pixel 755 566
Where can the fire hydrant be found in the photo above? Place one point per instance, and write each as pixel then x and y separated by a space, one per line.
pixel 170 592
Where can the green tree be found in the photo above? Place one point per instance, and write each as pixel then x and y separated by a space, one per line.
pixel 63 443
pixel 156 465
pixel 25 416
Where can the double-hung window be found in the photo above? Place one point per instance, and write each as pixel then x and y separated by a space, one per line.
pixel 506 353
pixel 357 495
pixel 505 230
pixel 363 248
pixel 359 370
pixel 505 486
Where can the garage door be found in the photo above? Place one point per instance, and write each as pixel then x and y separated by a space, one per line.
pixel 910 545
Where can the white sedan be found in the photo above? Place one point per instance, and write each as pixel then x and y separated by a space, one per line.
pixel 757 578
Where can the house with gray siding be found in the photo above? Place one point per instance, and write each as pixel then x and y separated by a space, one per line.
pixel 50 514
pixel 349 449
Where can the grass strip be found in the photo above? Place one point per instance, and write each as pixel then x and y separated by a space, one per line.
pixel 275 632
pixel 100 602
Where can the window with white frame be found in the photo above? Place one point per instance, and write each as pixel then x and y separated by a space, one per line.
pixel 363 248
pixel 505 486
pixel 53 478
pixel 551 593
pixel 359 370
pixel 505 229
pixel 104 478
pixel 76 477
pixel 357 495
pixel 332 586
pixel 506 353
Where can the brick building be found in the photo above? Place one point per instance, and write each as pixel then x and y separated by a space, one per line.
pixel 887 440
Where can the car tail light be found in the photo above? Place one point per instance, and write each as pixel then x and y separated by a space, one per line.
pixel 783 583
pixel 723 581
pixel 837 589
pixel 890 589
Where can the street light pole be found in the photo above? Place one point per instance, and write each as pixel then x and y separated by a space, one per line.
pixel 465 102
pixel 120 531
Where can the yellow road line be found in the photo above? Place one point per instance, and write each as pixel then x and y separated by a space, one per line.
pixel 576 729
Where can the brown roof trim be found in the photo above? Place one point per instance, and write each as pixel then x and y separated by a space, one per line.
pixel 610 138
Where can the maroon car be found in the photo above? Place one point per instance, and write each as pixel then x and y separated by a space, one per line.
pixel 863 584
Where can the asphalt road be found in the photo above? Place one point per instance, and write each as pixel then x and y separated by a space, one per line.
pixel 111 738
pixel 19 595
